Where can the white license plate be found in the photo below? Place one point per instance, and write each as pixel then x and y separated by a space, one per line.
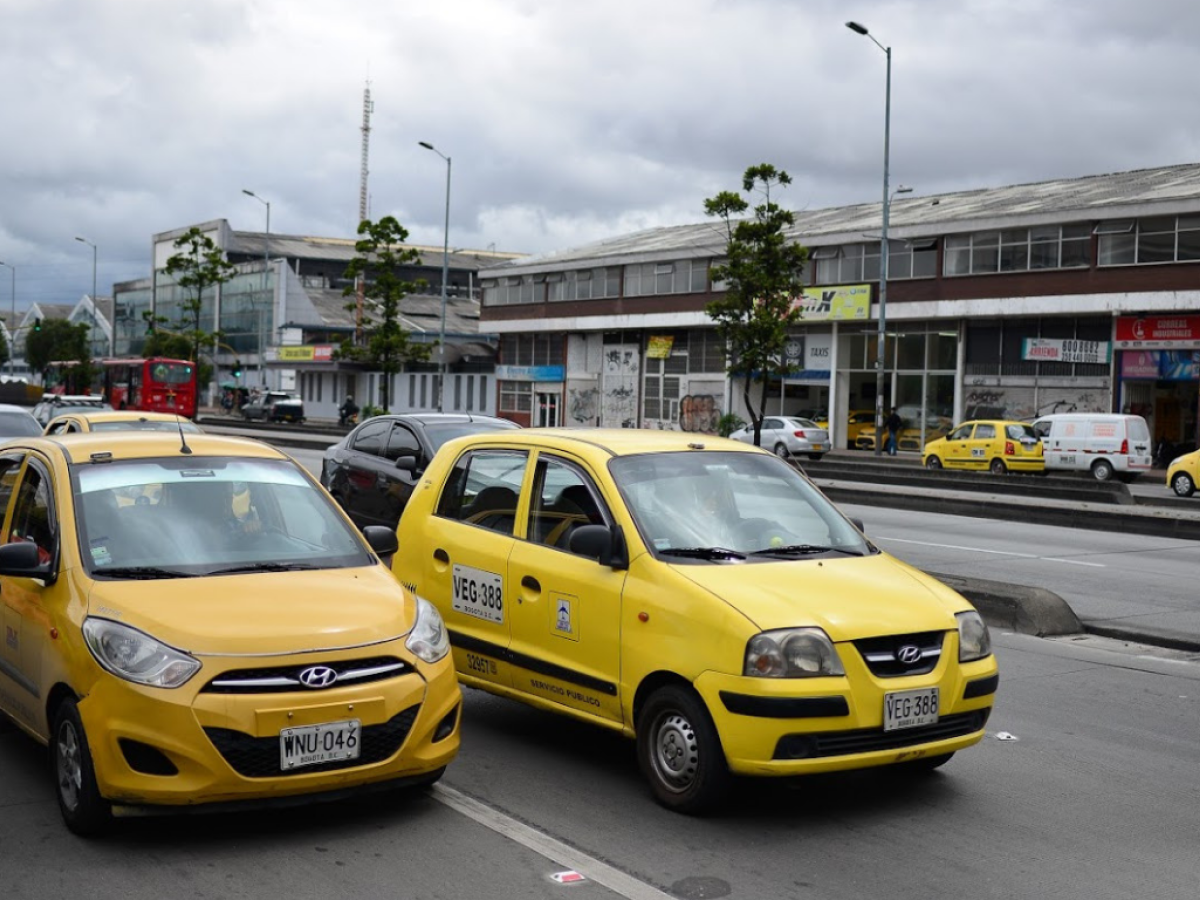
pixel 478 593
pixel 908 709
pixel 310 745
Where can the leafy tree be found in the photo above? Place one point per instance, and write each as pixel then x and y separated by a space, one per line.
pixel 171 344
pixel 763 272
pixel 60 341
pixel 4 354
pixel 200 266
pixel 380 254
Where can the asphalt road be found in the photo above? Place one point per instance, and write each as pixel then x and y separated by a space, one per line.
pixel 1083 788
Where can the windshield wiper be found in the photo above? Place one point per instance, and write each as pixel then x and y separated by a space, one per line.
pixel 263 567
pixel 703 552
pixel 146 572
pixel 803 550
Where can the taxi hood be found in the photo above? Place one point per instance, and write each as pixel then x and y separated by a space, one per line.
pixel 262 613
pixel 849 597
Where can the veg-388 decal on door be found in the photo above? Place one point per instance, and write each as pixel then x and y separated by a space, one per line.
pixel 478 593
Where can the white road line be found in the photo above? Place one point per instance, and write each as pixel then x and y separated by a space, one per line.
pixel 554 850
pixel 1069 562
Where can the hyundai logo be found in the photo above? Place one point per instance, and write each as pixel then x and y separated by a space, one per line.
pixel 908 654
pixel 319 677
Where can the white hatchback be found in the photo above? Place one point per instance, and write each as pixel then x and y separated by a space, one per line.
pixel 788 436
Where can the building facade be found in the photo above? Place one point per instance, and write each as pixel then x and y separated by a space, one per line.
pixel 1079 294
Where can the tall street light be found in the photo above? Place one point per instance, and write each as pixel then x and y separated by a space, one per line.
pixel 95 309
pixel 12 329
pixel 883 243
pixel 445 276
pixel 266 264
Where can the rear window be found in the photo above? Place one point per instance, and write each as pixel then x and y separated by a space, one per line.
pixel 1020 432
pixel 1138 430
pixel 19 425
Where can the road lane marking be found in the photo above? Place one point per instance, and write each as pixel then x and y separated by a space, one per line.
pixel 1069 562
pixel 554 850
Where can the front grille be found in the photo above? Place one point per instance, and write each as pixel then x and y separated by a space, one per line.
pixel 286 679
pixel 883 654
pixel 256 757
pixel 869 740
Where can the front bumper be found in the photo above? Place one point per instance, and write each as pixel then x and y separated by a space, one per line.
pixel 780 727
pixel 154 747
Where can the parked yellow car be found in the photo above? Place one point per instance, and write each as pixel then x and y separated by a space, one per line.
pixel 997 445
pixel 859 423
pixel 176 648
pixel 698 595
pixel 1183 474
pixel 118 420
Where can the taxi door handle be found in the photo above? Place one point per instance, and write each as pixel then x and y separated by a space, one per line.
pixel 441 555
pixel 531 584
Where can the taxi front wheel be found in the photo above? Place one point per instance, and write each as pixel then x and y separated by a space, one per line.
pixel 680 752
pixel 84 811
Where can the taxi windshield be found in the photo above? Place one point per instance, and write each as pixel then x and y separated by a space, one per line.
pixel 172 517
pixel 748 503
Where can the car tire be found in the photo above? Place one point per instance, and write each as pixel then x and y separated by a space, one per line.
pixel 83 810
pixel 933 463
pixel 1182 484
pixel 782 451
pixel 679 751
pixel 815 456
pixel 1102 470
pixel 997 466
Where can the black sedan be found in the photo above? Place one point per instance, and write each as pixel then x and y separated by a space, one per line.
pixel 372 470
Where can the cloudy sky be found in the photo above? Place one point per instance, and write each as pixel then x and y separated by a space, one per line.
pixel 567 122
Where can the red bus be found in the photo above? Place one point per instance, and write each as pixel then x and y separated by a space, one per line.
pixel 156 384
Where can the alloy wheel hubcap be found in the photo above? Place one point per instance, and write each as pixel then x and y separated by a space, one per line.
pixel 69 765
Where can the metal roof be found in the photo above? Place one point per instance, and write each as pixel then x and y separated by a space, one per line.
pixel 419 313
pixel 342 250
pixel 1169 190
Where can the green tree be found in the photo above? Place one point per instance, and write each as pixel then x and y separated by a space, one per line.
pixel 4 352
pixel 200 266
pixel 162 342
pixel 763 273
pixel 380 255
pixel 60 341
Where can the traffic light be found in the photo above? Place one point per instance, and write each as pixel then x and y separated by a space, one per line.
pixel 237 370
pixel 37 324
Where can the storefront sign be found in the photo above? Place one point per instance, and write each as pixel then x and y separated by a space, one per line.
pixel 1066 350
pixel 1161 365
pixel 529 373
pixel 847 303
pixel 305 353
pixel 659 346
pixel 1158 332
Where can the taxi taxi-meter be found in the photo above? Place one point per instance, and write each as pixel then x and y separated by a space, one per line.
pixel 190 621
pixel 698 595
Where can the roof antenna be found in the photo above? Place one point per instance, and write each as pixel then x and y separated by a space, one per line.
pixel 183 447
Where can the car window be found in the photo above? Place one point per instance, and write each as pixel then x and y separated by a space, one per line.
pixel 772 424
pixel 1042 429
pixel 439 434
pixel 563 499
pixel 1020 432
pixel 371 437
pixel 14 424
pixel 198 516
pixel 961 433
pixel 985 431
pixel 33 514
pixel 10 467
pixel 482 489
pixel 146 425
pixel 402 442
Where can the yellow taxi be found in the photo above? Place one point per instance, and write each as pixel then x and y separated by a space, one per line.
pixel 858 423
pixel 173 652
pixel 1183 473
pixel 696 594
pixel 118 420
pixel 998 445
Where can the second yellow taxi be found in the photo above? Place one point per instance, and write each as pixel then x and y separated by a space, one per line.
pixel 85 420
pixel 996 445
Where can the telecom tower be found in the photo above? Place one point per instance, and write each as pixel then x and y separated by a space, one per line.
pixel 368 108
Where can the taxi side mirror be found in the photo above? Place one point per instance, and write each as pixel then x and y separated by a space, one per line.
pixel 601 543
pixel 383 541
pixel 21 559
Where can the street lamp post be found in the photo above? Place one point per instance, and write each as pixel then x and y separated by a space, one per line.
pixel 266 264
pixel 95 309
pixel 12 332
pixel 881 357
pixel 445 276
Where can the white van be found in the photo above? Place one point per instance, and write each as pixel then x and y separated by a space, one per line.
pixel 1105 444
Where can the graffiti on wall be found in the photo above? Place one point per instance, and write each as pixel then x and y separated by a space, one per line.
pixel 583 405
pixel 699 413
pixel 618 386
pixel 1028 402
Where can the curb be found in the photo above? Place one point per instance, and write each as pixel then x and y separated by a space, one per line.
pixel 1025 610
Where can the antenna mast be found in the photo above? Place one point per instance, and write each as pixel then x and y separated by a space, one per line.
pixel 368 108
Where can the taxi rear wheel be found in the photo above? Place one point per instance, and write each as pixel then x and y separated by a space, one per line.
pixel 933 463
pixel 1182 485
pixel 998 467
pixel 83 810
pixel 781 451
pixel 680 752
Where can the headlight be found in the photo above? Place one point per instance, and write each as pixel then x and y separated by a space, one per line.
pixel 428 638
pixel 974 642
pixel 137 657
pixel 792 653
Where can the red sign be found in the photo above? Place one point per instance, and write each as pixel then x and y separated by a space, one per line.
pixel 1157 332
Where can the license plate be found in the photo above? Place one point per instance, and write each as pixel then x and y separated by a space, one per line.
pixel 478 593
pixel 909 709
pixel 310 745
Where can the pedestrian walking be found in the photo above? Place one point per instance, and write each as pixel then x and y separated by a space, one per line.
pixel 893 424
